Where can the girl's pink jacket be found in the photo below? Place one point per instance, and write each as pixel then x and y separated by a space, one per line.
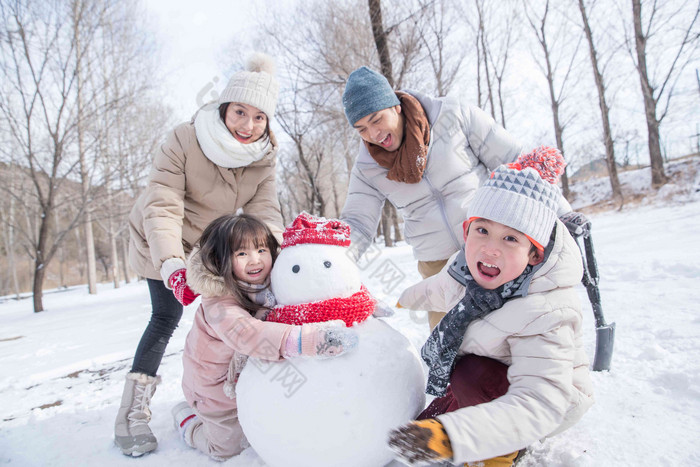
pixel 223 335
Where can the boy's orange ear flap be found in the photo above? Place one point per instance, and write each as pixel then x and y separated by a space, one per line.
pixel 465 228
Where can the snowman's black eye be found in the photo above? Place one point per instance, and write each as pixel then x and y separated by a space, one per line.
pixel 295 268
pixel 327 264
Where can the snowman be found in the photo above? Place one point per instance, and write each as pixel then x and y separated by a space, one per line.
pixel 328 412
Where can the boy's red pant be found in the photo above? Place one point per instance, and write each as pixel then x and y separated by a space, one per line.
pixel 475 380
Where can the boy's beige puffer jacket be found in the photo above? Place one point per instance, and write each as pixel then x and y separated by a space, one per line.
pixel 186 191
pixel 539 337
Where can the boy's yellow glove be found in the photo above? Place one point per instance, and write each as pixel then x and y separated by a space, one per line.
pixel 421 442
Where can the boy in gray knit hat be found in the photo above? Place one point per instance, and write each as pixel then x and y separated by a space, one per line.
pixel 506 362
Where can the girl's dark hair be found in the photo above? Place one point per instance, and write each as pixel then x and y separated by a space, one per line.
pixel 222 114
pixel 222 238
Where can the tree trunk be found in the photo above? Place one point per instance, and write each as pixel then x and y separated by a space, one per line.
pixel 84 175
pixel 658 176
pixel 10 247
pixel 37 289
pixel 61 253
pixel 395 222
pixel 484 51
pixel 125 261
pixel 114 257
pixel 604 109
pixel 81 252
pixel 558 129
pixel 386 224
pixel 40 261
pixel 380 39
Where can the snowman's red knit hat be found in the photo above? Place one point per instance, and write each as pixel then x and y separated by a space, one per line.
pixel 309 229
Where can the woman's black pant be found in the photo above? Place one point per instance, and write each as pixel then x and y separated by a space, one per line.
pixel 165 316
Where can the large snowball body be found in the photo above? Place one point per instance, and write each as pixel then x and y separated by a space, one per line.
pixel 307 412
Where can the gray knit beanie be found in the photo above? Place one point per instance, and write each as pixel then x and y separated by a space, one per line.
pixel 256 85
pixel 518 195
pixel 367 92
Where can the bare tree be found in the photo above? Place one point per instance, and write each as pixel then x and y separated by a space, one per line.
pixel 38 105
pixel 315 62
pixel 297 121
pixel 660 88
pixel 604 109
pixel 499 59
pixel 436 28
pixel 7 219
pixel 550 69
pixel 381 41
pixel 484 61
pixel 82 38
pixel 50 105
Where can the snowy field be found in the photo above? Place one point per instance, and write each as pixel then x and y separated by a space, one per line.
pixel 62 370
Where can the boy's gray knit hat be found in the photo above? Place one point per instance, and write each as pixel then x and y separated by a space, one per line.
pixel 523 195
pixel 367 92
pixel 256 85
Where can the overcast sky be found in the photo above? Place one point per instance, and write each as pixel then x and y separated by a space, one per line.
pixel 193 36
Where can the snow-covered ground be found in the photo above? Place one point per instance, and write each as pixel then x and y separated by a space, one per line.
pixel 62 370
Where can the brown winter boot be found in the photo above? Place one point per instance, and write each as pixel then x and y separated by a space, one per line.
pixel 131 431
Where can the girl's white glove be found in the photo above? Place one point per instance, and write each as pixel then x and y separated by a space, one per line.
pixel 322 340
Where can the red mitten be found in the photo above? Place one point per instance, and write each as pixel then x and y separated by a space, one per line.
pixel 178 282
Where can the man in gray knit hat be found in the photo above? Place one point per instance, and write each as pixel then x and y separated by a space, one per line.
pixel 425 155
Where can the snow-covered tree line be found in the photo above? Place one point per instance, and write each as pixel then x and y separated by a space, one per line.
pixel 80 119
pixel 80 112
pixel 529 63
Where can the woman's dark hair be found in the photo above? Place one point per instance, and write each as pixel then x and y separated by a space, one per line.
pixel 226 235
pixel 222 114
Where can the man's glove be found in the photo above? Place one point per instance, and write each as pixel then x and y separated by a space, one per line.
pixel 577 224
pixel 421 442
pixel 178 282
pixel 382 310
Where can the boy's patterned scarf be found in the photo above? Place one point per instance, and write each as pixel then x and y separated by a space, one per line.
pixel 440 350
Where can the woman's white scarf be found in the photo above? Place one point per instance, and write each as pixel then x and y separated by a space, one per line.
pixel 219 145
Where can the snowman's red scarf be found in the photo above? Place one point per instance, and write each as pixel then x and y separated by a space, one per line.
pixel 354 309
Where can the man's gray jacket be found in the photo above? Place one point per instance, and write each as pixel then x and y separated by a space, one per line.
pixel 466 144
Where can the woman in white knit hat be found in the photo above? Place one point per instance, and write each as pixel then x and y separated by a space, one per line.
pixel 220 162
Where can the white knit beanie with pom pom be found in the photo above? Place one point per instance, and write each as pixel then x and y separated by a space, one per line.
pixel 256 85
pixel 523 195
